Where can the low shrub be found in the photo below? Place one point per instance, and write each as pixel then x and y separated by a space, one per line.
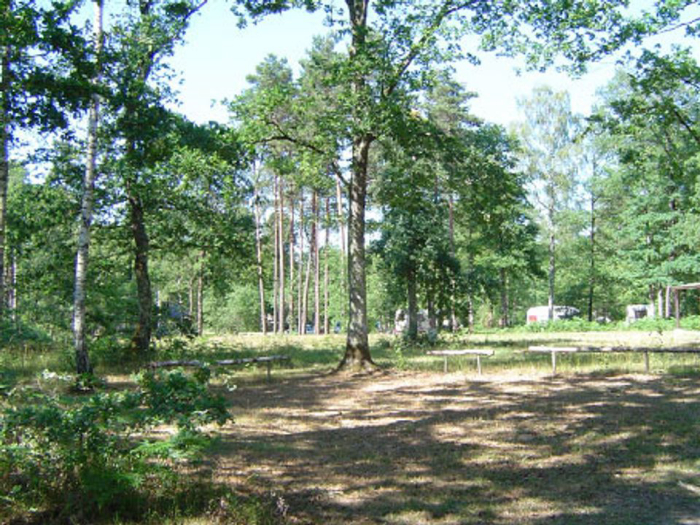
pixel 91 456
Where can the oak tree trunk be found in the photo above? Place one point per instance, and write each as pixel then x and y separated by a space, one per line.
pixel 141 340
pixel 357 354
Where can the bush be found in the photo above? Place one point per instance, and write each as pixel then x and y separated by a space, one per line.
pixel 90 456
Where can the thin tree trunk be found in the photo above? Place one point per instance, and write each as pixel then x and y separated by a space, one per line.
pixel 453 284
pixel 258 254
pixel 200 296
pixel 552 268
pixel 326 280
pixel 340 214
pixel 305 294
pixel 592 269
pixel 292 242
pixel 667 312
pixel 300 273
pixel 317 266
pixel 470 284
pixel 282 306
pixel 504 298
pixel 276 265
pixel 82 359
pixel 357 354
pixel 190 297
pixel 4 154
pixel 12 286
pixel 412 329
pixel 343 240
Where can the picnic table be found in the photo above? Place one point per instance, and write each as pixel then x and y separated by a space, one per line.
pixel 478 353
pixel 267 360
pixel 554 350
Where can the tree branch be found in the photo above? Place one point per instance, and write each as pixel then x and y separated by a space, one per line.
pixel 445 11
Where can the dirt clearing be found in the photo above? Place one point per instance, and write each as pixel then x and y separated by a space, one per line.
pixel 426 448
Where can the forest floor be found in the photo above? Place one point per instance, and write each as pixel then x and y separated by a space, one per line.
pixel 508 447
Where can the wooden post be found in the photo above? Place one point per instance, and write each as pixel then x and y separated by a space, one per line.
pixel 445 365
pixel 554 363
pixel 478 363
pixel 676 304
pixel 646 361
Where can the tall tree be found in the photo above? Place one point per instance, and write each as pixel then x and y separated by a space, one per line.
pixel 42 81
pixel 143 40
pixel 389 52
pixel 548 140
pixel 82 359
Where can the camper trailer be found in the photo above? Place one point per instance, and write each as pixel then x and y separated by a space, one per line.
pixel 540 314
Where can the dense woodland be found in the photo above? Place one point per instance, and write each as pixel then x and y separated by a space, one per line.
pixel 338 195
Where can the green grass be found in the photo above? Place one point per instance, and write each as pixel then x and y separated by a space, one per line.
pixel 513 446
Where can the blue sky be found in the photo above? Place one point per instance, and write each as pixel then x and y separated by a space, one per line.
pixel 218 56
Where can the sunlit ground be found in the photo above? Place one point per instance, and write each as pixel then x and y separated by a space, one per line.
pixel 600 443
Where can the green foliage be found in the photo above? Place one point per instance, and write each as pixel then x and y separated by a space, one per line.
pixel 237 311
pixel 95 455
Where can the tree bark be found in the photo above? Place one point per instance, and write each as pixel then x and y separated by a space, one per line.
pixel 504 298
pixel 82 359
pixel 357 354
pixel 282 306
pixel 11 285
pixel 4 156
pixel 305 294
pixel 453 253
pixel 258 254
pixel 326 320
pixel 141 340
pixel 551 273
pixel 200 296
pixel 276 265
pixel 292 242
pixel 300 273
pixel 592 269
pixel 317 266
pixel 412 328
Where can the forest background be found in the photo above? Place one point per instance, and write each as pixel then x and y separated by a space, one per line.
pixel 241 224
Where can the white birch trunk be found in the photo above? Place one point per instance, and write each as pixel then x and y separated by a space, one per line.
pixel 82 359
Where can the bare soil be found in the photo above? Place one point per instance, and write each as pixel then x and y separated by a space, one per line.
pixel 431 448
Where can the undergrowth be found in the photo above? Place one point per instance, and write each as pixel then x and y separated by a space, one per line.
pixel 74 458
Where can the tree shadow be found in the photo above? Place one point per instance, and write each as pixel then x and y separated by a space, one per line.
pixel 426 448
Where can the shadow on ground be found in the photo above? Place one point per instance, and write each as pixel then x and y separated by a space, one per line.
pixel 432 448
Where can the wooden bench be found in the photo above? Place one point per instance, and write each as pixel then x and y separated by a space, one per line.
pixel 268 360
pixel 554 350
pixel 469 351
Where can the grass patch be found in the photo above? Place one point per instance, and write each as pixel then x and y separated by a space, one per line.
pixel 601 442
